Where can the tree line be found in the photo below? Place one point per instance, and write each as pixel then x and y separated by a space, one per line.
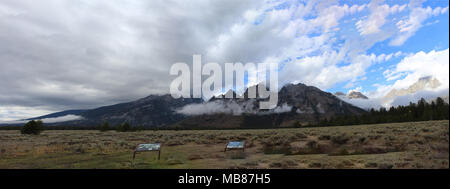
pixel 120 128
pixel 420 111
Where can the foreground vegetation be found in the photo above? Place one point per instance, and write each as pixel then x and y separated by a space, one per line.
pixel 395 145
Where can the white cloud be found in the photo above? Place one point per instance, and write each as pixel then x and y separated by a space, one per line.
pixel 229 107
pixel 398 53
pixel 377 17
pixel 425 94
pixel 379 102
pixel 411 68
pixel 386 57
pixel 285 34
pixel 357 89
pixel 214 107
pixel 421 64
pixel 283 108
pixel 408 27
pixel 321 71
pixel 11 113
pixel 61 119
pixel 366 104
pixel 45 120
pixel 349 85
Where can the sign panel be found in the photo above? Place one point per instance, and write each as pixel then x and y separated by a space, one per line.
pixel 235 144
pixel 148 147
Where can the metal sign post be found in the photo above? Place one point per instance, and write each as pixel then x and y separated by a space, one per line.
pixel 147 148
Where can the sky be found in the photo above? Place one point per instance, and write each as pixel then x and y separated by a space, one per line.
pixel 60 54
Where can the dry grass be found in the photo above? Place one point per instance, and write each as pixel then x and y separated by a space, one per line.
pixel 397 145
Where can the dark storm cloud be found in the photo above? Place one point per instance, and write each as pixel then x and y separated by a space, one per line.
pixel 81 54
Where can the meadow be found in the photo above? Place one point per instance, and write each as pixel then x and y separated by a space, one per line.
pixel 380 146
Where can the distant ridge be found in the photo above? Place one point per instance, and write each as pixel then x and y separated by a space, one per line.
pixel 423 83
pixel 297 103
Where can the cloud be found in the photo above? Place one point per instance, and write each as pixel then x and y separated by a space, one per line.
pixel 320 70
pixel 282 109
pixel 379 102
pixel 214 107
pixel 408 27
pixel 62 119
pixel 46 120
pixel 377 17
pixel 229 107
pixel 357 89
pixel 425 94
pixel 418 65
pixel 66 54
pixel 407 72
pixel 366 104
pixel 11 113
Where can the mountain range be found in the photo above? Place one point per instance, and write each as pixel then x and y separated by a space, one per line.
pixel 423 83
pixel 297 104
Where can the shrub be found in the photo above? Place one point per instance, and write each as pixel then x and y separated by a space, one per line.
pixel 174 162
pixel 339 152
pixel 324 137
pixel 276 140
pixel 276 145
pixel 236 155
pixel 340 139
pixel 251 163
pixel 300 135
pixel 371 165
pixel 312 144
pixel 315 165
pixel 140 128
pixel 385 166
pixel 277 149
pixel 297 124
pixel 372 150
pixel 194 157
pixel 33 127
pixel 174 142
pixel 275 164
pixel 123 127
pixel 287 164
pixel 80 149
pixel 104 127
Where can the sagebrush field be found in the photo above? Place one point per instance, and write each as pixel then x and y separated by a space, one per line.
pixel 393 145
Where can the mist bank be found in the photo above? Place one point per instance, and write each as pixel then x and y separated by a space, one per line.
pixel 382 102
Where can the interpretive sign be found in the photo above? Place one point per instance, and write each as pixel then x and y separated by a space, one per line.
pixel 148 148
pixel 235 145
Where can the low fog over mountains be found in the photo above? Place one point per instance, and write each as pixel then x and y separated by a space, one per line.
pixel 427 87
pixel 351 95
pixel 295 103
